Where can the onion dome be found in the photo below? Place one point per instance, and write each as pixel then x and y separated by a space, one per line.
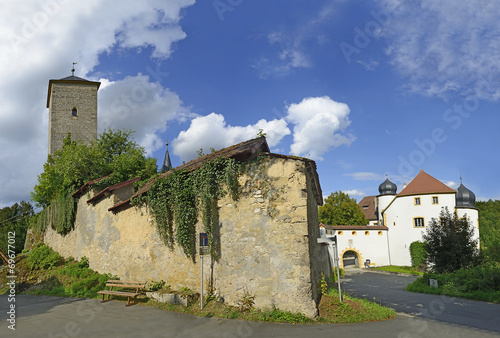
pixel 464 197
pixel 387 188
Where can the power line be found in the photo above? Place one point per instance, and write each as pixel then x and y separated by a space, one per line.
pixel 17 217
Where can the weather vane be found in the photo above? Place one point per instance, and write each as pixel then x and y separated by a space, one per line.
pixel 73 70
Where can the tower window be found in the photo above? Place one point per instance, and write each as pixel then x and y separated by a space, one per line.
pixel 74 112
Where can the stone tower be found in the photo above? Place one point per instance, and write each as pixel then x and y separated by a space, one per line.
pixel 72 103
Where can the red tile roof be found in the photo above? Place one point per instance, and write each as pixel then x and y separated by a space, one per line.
pixel 353 227
pixel 424 183
pixel 367 205
pixel 84 187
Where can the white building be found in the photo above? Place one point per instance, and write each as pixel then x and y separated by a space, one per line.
pixel 398 219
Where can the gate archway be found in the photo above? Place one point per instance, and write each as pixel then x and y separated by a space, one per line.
pixel 351 257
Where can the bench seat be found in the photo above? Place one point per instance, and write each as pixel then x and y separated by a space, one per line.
pixel 138 286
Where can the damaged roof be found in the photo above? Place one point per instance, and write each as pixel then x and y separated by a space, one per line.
pixel 241 152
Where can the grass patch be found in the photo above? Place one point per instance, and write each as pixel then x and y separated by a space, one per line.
pixel 399 269
pixel 351 310
pixel 479 283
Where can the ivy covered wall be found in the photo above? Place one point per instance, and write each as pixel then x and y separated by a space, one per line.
pixel 265 240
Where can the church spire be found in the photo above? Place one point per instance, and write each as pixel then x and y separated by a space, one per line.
pixel 167 164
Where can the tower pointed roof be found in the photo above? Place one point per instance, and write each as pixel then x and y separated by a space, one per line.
pixel 464 197
pixel 424 183
pixel 167 164
pixel 72 79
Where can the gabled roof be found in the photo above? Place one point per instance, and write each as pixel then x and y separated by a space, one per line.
pixel 367 205
pixel 424 183
pixel 243 151
pixel 108 190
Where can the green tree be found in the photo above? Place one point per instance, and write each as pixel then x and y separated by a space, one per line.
pixel 113 153
pixel 14 222
pixel 450 242
pixel 489 229
pixel 340 209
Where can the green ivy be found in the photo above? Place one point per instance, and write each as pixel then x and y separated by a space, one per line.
pixel 60 214
pixel 179 197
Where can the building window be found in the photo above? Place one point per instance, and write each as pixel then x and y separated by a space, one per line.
pixel 380 233
pixel 435 200
pixel 417 200
pixel 340 232
pixel 74 112
pixel 442 221
pixel 367 233
pixel 419 222
pixel 354 233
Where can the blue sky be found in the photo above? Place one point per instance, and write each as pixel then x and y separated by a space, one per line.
pixel 365 88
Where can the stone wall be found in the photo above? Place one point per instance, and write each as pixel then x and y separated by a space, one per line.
pixel 267 241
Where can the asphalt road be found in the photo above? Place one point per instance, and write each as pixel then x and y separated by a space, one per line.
pixel 388 289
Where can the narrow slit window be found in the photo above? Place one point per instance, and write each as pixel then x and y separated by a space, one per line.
pixel 74 112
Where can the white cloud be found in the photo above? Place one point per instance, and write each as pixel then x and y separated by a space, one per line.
pixel 443 47
pixel 288 50
pixel 366 176
pixel 318 122
pixel 39 40
pixel 212 131
pixel 452 184
pixel 138 104
pixel 354 192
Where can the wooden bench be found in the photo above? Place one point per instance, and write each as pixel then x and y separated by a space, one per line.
pixel 137 286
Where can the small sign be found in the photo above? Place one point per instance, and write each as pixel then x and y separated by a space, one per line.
pixel 203 239
pixel 204 250
pixel 433 283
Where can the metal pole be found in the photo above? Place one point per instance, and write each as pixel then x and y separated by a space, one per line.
pixel 338 272
pixel 201 292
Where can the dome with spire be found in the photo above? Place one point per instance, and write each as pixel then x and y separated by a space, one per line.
pixel 387 188
pixel 464 197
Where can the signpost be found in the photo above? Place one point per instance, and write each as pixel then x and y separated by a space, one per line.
pixel 203 251
pixel 332 243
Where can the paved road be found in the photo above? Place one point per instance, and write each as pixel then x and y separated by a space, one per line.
pixel 388 289
pixel 44 316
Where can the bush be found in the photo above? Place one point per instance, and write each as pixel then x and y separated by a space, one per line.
pixel 418 252
pixel 333 276
pixel 480 282
pixel 43 257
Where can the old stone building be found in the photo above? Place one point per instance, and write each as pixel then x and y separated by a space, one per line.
pixel 268 237
pixel 72 103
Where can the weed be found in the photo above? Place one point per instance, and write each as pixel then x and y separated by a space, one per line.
pixel 323 285
pixel 155 286
pixel 246 302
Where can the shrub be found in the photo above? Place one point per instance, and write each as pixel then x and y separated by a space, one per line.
pixel 418 252
pixel 333 276
pixel 43 257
